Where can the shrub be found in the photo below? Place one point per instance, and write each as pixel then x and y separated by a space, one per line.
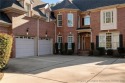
pixel 56 48
pixel 73 47
pixel 95 53
pixel 121 50
pixel 90 52
pixel 70 52
pixel 92 46
pixel 101 50
pixel 109 52
pixel 5 49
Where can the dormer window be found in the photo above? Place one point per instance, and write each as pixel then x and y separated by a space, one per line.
pixel 28 9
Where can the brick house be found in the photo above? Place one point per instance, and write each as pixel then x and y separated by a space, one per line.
pixel 83 22
pixel 30 23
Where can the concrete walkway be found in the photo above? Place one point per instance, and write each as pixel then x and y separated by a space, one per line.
pixel 65 69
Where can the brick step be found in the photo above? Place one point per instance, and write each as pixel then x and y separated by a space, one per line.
pixel 83 53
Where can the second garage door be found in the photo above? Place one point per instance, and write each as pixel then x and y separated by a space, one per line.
pixel 45 46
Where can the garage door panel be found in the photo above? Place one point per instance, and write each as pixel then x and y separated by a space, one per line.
pixel 45 47
pixel 24 47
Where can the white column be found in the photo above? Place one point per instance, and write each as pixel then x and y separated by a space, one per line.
pixel 38 36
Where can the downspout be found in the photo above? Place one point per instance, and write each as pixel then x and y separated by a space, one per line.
pixel 55 32
pixel 38 36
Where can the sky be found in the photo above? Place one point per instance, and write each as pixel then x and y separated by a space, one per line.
pixel 51 1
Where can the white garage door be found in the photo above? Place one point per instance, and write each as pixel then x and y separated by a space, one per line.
pixel 45 47
pixel 24 46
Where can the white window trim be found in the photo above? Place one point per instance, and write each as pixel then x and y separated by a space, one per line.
pixel 71 20
pixel 72 41
pixel 113 33
pixel 58 41
pixel 108 26
pixel 58 20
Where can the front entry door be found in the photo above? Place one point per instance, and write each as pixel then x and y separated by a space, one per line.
pixel 87 43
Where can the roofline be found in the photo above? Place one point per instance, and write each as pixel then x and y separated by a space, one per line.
pixel 5 24
pixel 12 9
pixel 37 16
pixel 106 7
pixel 66 9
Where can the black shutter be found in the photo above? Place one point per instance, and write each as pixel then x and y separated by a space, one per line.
pixel 61 47
pixel 97 41
pixel 56 48
pixel 66 47
pixel 82 21
pixel 73 47
pixel 92 46
pixel 121 40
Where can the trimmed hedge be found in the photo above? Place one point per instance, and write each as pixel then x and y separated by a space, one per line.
pixel 5 49
pixel 101 50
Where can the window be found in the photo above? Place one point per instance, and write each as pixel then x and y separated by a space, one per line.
pixel 70 19
pixel 59 40
pixel 70 41
pixel 59 20
pixel 102 41
pixel 109 40
pixel 28 9
pixel 87 20
pixel 108 17
pixel 47 17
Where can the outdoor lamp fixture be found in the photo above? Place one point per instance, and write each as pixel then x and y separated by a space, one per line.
pixel 27 31
pixel 46 34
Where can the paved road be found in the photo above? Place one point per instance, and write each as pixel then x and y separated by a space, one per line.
pixel 65 69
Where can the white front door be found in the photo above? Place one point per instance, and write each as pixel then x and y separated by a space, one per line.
pixel 45 47
pixel 24 46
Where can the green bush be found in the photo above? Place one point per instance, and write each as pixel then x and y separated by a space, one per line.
pixel 109 52
pixel 70 52
pixel 101 50
pixel 5 49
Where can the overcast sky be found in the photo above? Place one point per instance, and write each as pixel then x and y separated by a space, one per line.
pixel 51 1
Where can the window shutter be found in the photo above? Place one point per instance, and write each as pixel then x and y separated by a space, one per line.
pixel 97 41
pixel 121 40
pixel 82 21
pixel 56 48
pixel 66 47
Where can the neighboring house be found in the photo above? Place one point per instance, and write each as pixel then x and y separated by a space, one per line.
pixel 83 22
pixel 30 23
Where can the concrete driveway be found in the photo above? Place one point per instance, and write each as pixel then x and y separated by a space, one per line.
pixel 65 69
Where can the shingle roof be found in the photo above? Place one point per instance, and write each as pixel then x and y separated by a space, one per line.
pixel 84 5
pixel 65 4
pixel 91 4
pixel 4 18
pixel 10 3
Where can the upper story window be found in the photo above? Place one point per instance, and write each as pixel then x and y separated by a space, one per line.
pixel 87 20
pixel 70 19
pixel 108 17
pixel 47 17
pixel 59 20
pixel 28 9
